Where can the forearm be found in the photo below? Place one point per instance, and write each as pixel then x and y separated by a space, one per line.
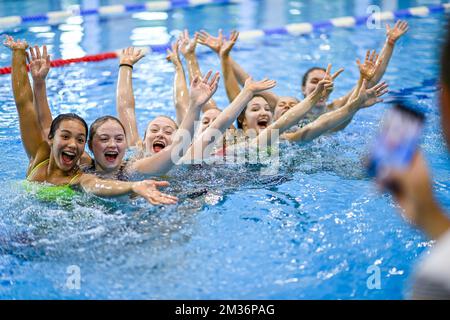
pixel 125 104
pixel 324 123
pixel 434 221
pixel 42 106
pixel 385 56
pixel 222 122
pixel 241 76
pixel 231 84
pixel 295 114
pixel 30 129
pixel 180 93
pixel 105 188
pixel 193 71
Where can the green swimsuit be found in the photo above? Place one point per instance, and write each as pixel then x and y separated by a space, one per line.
pixel 49 192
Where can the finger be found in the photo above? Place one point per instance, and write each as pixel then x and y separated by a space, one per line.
pixel 337 73
pixel 358 62
pixel 161 183
pixel 168 196
pixel 328 69
pixel 44 51
pixel 28 56
pixel 48 59
pixel 367 55
pixel 215 79
pixel 186 34
pixel 372 56
pixel 33 55
pixel 388 28
pixel 206 78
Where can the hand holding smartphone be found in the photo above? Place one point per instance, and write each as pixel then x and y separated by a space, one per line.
pixel 396 142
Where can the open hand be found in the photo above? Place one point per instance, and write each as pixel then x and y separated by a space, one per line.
pixel 214 43
pixel 369 67
pixel 187 45
pixel 131 55
pixel 201 90
pixel 227 45
pixel 258 86
pixel 39 64
pixel 148 190
pixel 173 55
pixel 15 44
pixel 400 28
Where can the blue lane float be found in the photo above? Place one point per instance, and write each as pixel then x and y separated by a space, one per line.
pixel 107 11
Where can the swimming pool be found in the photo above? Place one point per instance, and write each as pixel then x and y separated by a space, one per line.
pixel 310 231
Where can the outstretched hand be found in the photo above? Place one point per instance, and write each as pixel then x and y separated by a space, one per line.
pixel 131 55
pixel 15 44
pixel 258 86
pixel 202 90
pixel 368 97
pixel 372 95
pixel 400 28
pixel 148 190
pixel 173 55
pixel 227 45
pixel 369 67
pixel 214 43
pixel 188 45
pixel 39 64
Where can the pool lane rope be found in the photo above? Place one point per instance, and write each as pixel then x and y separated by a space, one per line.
pixel 295 29
pixel 109 11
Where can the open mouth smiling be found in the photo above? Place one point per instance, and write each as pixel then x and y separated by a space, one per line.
pixel 158 145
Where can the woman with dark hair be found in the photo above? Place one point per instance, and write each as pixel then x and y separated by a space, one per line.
pixel 55 160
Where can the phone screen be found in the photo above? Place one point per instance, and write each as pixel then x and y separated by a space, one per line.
pixel 396 142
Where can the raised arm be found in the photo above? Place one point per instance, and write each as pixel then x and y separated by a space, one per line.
pixel 231 84
pixel 159 163
pixel 296 113
pixel 380 64
pixel 125 103
pixel 328 121
pixel 39 68
pixel 187 48
pixel 180 89
pixel 392 35
pixel 227 117
pixel 30 129
pixel 113 188
pixel 215 43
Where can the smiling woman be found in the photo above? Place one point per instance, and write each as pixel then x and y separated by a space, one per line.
pixel 55 160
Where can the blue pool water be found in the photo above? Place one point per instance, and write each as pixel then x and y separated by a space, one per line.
pixel 310 231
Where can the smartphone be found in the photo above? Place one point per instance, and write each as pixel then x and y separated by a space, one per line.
pixel 397 141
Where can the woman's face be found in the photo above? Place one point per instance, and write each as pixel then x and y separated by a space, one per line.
pixel 314 77
pixel 67 144
pixel 283 105
pixel 258 115
pixel 109 145
pixel 159 134
pixel 208 117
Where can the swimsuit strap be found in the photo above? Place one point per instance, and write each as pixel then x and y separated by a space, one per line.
pixel 74 178
pixel 40 164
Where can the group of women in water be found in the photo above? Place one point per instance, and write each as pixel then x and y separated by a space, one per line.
pixel 60 164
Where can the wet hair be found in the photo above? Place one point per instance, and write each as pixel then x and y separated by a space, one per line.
pixel 445 58
pixel 241 117
pixel 97 123
pixel 63 117
pixel 306 75
pixel 162 116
